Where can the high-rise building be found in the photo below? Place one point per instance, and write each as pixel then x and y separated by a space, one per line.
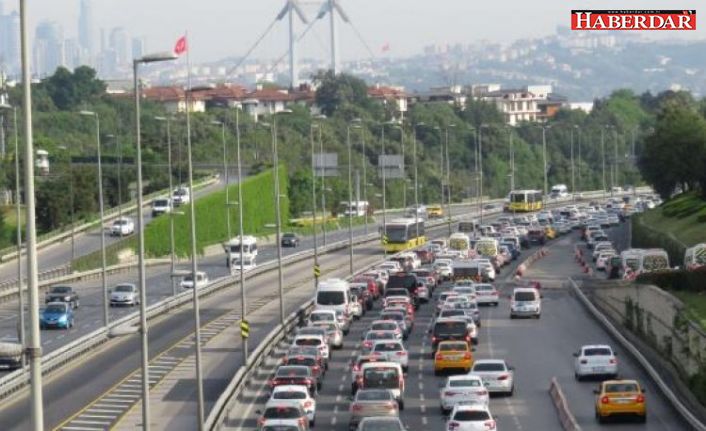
pixel 48 50
pixel 119 45
pixel 10 42
pixel 138 47
pixel 86 33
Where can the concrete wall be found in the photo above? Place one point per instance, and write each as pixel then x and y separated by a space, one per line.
pixel 656 317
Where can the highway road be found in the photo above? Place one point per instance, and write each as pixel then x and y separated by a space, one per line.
pixel 539 349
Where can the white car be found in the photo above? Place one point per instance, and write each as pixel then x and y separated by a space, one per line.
pixel 467 388
pixel 124 294
pixel 387 325
pixel 314 341
pixel 181 196
pixel 333 331
pixel 122 227
pixel 468 291
pixel 497 375
pixel 487 294
pixel 161 206
pixel 443 267
pixel 201 280
pixel 392 351
pixel 595 360
pixel 603 258
pixel 471 417
pixel 296 392
pixel 356 308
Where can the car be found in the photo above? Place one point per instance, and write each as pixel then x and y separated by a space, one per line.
pixel 296 392
pixel 372 403
pixel 449 329
pixel 333 332
pixel 460 313
pixel 381 424
pixel 161 206
pixel 57 315
pixel 365 297
pixel 188 281
pixel 371 336
pixel 497 375
pixel 318 341
pixel 525 302
pixel 383 375
pixel 310 361
pixel 423 292
pixel 62 294
pixel 603 259
pixel 181 196
pixel 467 388
pixel 357 368
pixel 294 375
pixel 487 294
pixel 435 211
pixel 453 355
pixel 471 417
pixel 290 240
pixel 123 226
pixel 124 294
pixel 399 317
pixel 307 351
pixel 282 425
pixel 471 310
pixel 620 398
pixel 595 360
pixel 387 325
pixel 283 412
pixel 391 351
pixel 536 234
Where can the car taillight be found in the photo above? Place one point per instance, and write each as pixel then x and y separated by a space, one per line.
pixel 489 425
pixel 468 338
pixel 640 399
pixel 439 357
pixel 401 353
pixel 605 400
pixel 391 406
pixel 613 361
pixel 315 368
pixel 583 362
pixel 454 425
pixel 302 421
pixel 450 394
pixel 308 404
pixel 433 339
pixel 261 421
pixel 467 355
pixel 503 377
pixel 356 368
pixel 482 392
pixel 271 382
pixel 356 407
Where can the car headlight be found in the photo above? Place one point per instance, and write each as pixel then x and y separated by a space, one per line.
pixel 62 318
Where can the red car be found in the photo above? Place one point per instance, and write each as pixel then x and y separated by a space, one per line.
pixel 372 284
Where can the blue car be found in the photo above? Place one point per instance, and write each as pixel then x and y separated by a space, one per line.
pixel 513 250
pixel 57 315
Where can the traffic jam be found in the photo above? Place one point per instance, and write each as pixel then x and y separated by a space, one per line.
pixel 424 308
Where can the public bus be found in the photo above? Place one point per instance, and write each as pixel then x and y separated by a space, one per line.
pixel 403 234
pixel 461 242
pixel 525 201
pixel 695 257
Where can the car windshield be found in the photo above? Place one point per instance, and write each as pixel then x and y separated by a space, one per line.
pixel 449 328
pixel 597 351
pixel 474 383
pixel 56 308
pixel 161 203
pixel 292 371
pixel 620 387
pixel 330 298
pixel 282 412
pixel 309 362
pixel 524 296
pixel 61 289
pixel 386 378
pixel 453 347
pixel 471 415
pixel 289 395
pixel 387 347
pixel 488 366
pixel 373 395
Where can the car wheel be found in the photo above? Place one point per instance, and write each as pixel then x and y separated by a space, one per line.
pixel 401 404
pixel 512 391
pixel 312 423
pixel 642 419
pixel 537 316
pixel 600 418
pixel 512 316
pixel 578 377
pixel 318 385
pixel 354 389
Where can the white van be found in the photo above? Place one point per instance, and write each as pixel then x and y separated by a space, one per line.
pixel 525 302
pixel 559 191
pixel 383 375
pixel 653 259
pixel 334 294
pixel 695 257
pixel 232 249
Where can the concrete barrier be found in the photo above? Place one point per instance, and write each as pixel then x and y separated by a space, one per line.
pixel 567 419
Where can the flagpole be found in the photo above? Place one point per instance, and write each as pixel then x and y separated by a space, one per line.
pixel 194 266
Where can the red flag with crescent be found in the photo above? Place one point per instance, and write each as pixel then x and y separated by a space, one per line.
pixel 181 46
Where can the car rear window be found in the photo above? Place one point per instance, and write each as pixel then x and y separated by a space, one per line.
pixel 282 413
pixel 488 367
pixel 292 371
pixel 387 347
pixel 391 326
pixel 309 362
pixel 449 328
pixel 597 351
pixel 465 383
pixel 280 428
pixel 453 347
pixel 452 313
pixel 307 342
pixel 331 298
pixel 381 378
pixel 525 296
pixel 621 387
pixel 364 395
pixel 289 395
pixel 471 415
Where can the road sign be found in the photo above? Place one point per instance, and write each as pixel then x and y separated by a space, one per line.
pixel 317 271
pixel 325 164
pixel 385 240
pixel 244 329
pixel 393 165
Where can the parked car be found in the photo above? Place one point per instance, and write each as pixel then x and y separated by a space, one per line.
pixel 57 315
pixel 290 240
pixel 122 227
pixel 62 294
pixel 124 294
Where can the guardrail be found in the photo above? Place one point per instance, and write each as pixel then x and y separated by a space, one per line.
pixel 567 419
pixel 640 358
pixel 52 237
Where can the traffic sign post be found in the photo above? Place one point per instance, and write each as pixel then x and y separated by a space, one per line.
pixel 317 271
pixel 244 329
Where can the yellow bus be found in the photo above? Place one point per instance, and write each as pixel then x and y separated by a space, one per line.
pixel 525 201
pixel 401 234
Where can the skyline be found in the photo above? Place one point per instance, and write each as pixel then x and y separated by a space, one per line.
pixel 379 24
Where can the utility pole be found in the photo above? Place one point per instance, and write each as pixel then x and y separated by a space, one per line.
pixel 603 158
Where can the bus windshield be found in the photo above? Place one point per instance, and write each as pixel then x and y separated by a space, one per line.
pixel 396 233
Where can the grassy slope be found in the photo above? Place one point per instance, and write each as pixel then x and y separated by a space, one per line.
pixel 679 217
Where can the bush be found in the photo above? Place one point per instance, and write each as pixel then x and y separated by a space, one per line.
pixel 645 237
pixel 691 281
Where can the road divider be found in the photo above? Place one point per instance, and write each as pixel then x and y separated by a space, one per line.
pixel 666 390
pixel 567 419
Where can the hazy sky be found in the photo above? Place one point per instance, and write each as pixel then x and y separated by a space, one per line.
pixel 221 28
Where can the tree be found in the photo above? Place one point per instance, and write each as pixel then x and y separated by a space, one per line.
pixel 338 91
pixel 69 90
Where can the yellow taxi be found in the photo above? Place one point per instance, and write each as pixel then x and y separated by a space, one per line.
pixel 620 398
pixel 549 232
pixel 435 211
pixel 453 355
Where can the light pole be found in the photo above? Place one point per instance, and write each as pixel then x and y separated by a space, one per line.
pixel 18 215
pixel 356 125
pixel 404 169
pixel 323 178
pixel 313 201
pixel 104 281
pixel 172 256
pixel 578 138
pixel 34 350
pixel 225 174
pixel 141 234
pixel 384 188
pixel 573 173
pixel 365 177
pixel 243 297
pixel 544 163
pixel 416 179
pixel 603 157
pixel 480 170
pixel 512 158
pixel 614 176
pixel 448 178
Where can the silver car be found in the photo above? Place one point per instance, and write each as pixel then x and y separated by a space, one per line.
pixel 333 332
pixel 124 294
pixel 497 375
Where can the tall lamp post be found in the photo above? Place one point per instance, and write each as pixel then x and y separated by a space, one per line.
pixel 480 170
pixel 323 176
pixel 243 297
pixel 154 58
pixel 448 177
pixel 313 200
pixel 603 157
pixel 355 125
pixel 544 163
pixel 225 173
pixel 416 178
pixel 384 187
pixel 172 255
pixel 18 215
pixel 104 281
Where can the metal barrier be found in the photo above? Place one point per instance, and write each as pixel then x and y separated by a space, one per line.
pixel 640 358
pixel 567 419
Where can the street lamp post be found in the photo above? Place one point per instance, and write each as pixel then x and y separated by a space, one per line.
pixel 141 235
pixel 313 201
pixel 323 183
pixel 384 189
pixel 614 176
pixel 243 297
pixel 544 162
pixel 603 158
pixel 512 159
pixel 172 255
pixel 350 193
pixel 365 177
pixel 416 179
pixel 104 281
pixel 573 173
pixel 480 170
pixel 448 178
pixel 225 174
pixel 578 138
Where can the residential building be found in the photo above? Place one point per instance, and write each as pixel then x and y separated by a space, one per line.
pixel 394 96
pixel 174 99
pixel 453 95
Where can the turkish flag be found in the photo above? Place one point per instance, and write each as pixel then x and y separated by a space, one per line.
pixel 181 46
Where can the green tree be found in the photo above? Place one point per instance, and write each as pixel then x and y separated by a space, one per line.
pixel 337 92
pixel 69 90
